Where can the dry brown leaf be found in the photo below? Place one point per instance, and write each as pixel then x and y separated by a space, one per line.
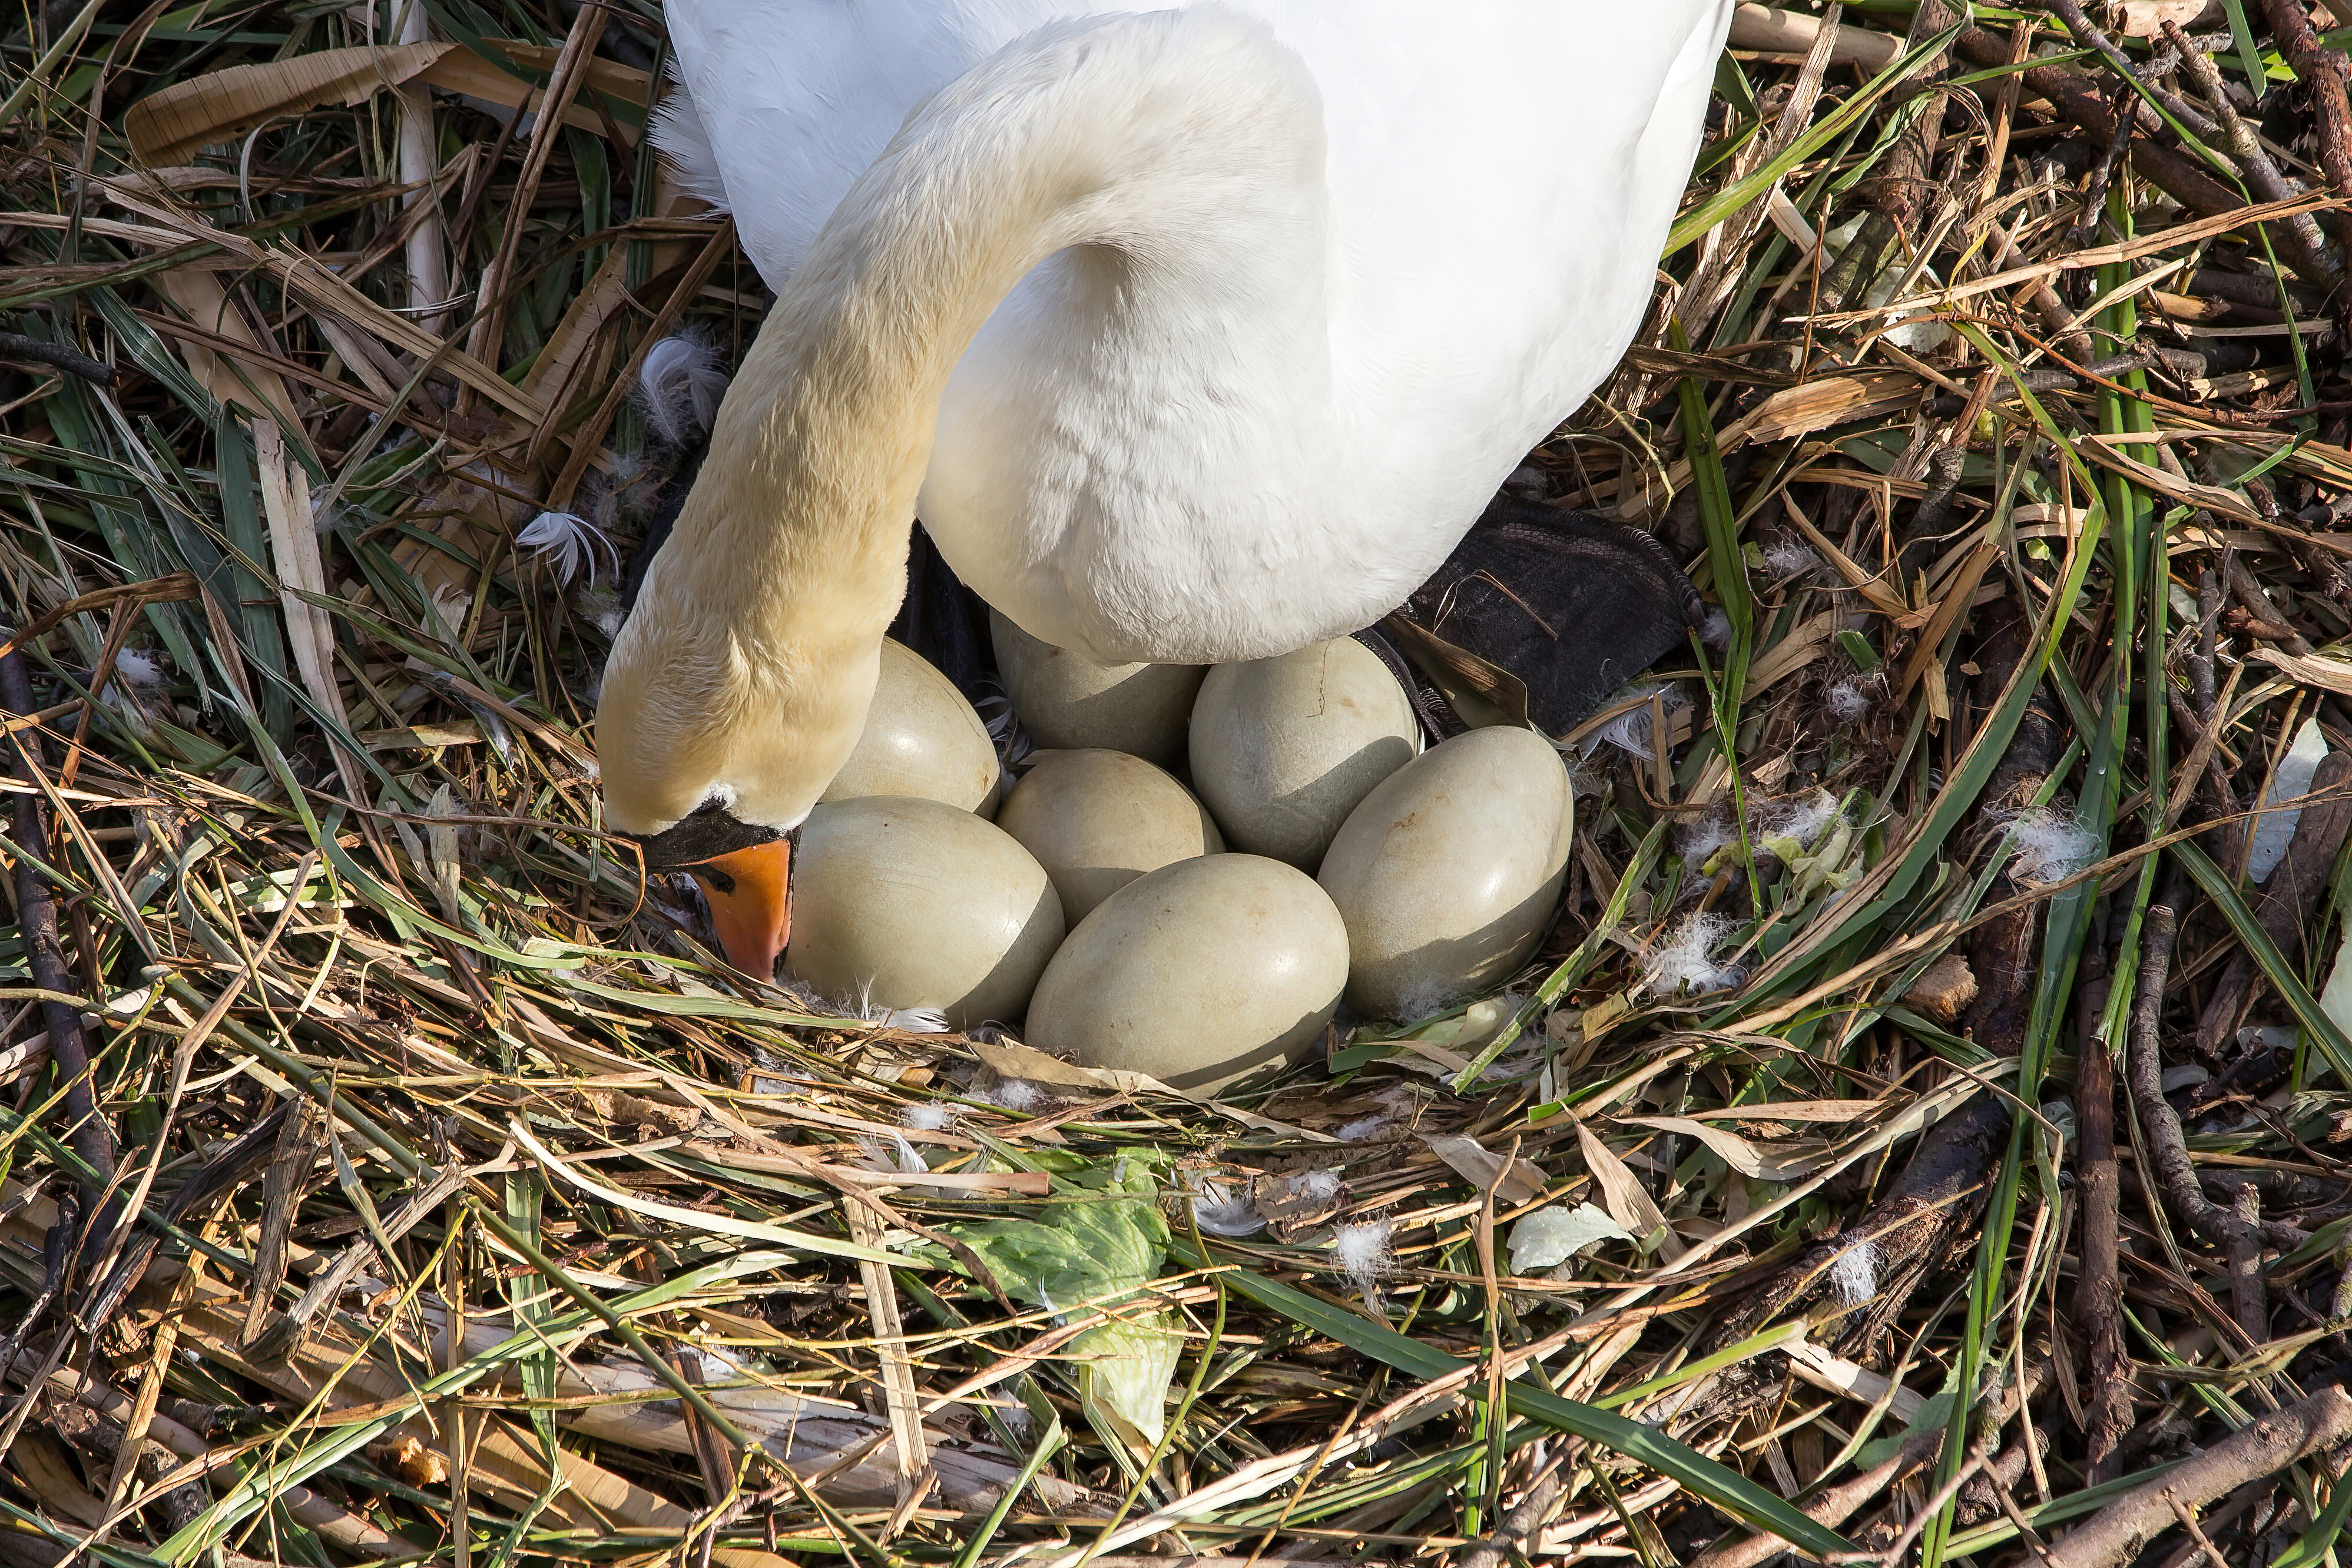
pixel 463 71
pixel 169 124
pixel 1009 1059
pixel 172 123
pixel 1483 1168
pixel 1624 1195
pixel 1738 1152
pixel 2146 19
pixel 202 299
pixel 2327 675
pixel 1795 1111
pixel 294 556
pixel 43 1463
pixel 1817 405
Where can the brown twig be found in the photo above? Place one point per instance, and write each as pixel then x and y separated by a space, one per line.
pixel 36 912
pixel 2262 1447
pixel 2106 1415
pixel 2168 1151
pixel 2253 163
pixel 2321 70
pixel 17 346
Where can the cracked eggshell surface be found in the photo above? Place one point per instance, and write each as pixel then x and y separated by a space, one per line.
pixel 1097 819
pixel 1198 973
pixel 1449 871
pixel 1284 748
pixel 905 903
pixel 1065 700
pixel 921 738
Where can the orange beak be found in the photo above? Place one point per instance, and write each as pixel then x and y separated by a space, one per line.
pixel 750 891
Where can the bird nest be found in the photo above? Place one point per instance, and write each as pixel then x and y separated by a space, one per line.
pixel 1924 1134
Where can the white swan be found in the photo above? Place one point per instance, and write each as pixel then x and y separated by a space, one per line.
pixel 1193 335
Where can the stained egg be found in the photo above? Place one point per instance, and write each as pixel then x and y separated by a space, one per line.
pixel 1065 700
pixel 1284 748
pixel 1199 973
pixel 1448 872
pixel 1097 819
pixel 921 738
pixel 905 903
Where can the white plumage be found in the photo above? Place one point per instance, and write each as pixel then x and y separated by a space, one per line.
pixel 1279 431
pixel 1191 335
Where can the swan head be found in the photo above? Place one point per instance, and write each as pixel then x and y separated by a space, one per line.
pixel 715 742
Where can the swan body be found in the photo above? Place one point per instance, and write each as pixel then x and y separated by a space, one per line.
pixel 1192 335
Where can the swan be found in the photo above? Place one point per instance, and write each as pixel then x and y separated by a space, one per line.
pixel 1191 335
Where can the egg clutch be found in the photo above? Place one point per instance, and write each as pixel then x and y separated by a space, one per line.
pixel 1196 934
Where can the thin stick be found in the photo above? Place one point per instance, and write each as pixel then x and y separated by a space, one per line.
pixel 17 346
pixel 36 911
pixel 2262 1447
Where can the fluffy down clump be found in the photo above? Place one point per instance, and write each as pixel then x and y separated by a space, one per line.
pixel 1011 1095
pixel 1360 1250
pixel 2051 845
pixel 1853 1273
pixel 679 386
pixel 1801 820
pixel 1700 839
pixel 1786 559
pixel 1850 699
pixel 927 1115
pixel 1684 964
pixel 144 672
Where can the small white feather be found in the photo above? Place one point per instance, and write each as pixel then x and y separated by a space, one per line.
pixel 1849 699
pixel 1221 1212
pixel 1011 1095
pixel 679 386
pixel 565 542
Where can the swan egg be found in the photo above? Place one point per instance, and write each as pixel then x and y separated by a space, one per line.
pixel 1097 819
pixel 1449 871
pixel 1284 748
pixel 921 738
pixel 1065 700
pixel 906 902
pixel 1197 974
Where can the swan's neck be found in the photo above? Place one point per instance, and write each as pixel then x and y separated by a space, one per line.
pixel 1184 149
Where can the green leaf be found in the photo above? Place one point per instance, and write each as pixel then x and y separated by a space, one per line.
pixel 1101 1240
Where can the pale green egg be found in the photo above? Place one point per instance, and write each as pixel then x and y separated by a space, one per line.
pixel 1065 700
pixel 1097 819
pixel 1197 974
pixel 1450 870
pixel 903 903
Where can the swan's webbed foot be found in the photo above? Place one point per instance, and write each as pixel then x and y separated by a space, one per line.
pixel 1545 612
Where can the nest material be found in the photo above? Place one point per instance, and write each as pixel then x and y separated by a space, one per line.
pixel 1931 1122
